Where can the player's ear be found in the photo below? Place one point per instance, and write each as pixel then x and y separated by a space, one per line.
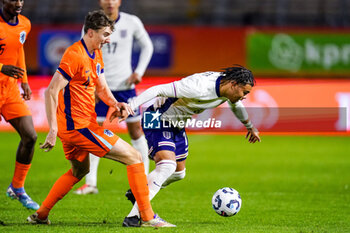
pixel 90 32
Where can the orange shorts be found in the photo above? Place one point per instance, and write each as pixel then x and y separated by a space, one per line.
pixel 77 144
pixel 12 104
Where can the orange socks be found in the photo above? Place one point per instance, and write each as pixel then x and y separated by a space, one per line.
pixel 19 177
pixel 138 184
pixel 61 187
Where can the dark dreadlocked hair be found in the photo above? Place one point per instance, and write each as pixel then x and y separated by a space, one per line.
pixel 239 74
pixel 97 20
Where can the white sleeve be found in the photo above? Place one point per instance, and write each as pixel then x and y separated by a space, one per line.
pixel 164 90
pixel 190 87
pixel 239 110
pixel 146 46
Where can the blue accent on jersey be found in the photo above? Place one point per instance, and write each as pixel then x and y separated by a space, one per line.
pixel 87 51
pixel 117 19
pixel 86 132
pixel 217 86
pixel 67 109
pixel 64 74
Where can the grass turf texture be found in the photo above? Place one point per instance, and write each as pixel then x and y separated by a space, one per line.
pixel 287 184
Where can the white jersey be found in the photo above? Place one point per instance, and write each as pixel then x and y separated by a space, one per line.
pixel 188 96
pixel 117 54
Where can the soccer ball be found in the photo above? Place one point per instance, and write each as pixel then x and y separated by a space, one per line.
pixel 226 202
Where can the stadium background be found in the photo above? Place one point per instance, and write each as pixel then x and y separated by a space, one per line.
pixel 295 181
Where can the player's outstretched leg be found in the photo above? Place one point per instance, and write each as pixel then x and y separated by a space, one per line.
pixel 61 187
pixel 163 170
pixel 138 140
pixel 126 154
pixel 24 126
pixel 140 145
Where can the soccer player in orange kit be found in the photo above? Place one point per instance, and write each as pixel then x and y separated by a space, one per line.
pixel 70 109
pixel 14 29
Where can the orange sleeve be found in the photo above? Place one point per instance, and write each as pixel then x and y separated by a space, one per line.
pixel 69 65
pixel 22 64
pixel 21 57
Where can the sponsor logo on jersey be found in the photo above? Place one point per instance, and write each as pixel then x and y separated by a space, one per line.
pixel 123 33
pixel 98 69
pixel 108 133
pixel 22 37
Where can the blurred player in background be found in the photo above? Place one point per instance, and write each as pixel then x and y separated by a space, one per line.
pixel 71 95
pixel 168 146
pixel 121 79
pixel 14 29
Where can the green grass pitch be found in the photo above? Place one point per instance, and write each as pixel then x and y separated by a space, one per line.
pixel 287 184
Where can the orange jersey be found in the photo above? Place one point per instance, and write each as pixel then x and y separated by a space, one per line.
pixel 12 38
pixel 76 102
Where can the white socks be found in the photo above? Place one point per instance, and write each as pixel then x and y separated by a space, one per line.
pixel 163 170
pixel 140 145
pixel 175 177
pixel 91 177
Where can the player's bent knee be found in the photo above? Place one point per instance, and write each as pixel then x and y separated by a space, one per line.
pixel 135 157
pixel 80 173
pixel 30 140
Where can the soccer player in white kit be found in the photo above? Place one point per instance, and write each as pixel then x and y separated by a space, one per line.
pixel 121 79
pixel 179 100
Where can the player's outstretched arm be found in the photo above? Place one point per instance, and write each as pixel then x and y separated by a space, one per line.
pixel 241 113
pixel 122 110
pixel 164 90
pixel 57 83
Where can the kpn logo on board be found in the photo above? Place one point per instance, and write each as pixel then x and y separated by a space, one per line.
pixel 152 120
